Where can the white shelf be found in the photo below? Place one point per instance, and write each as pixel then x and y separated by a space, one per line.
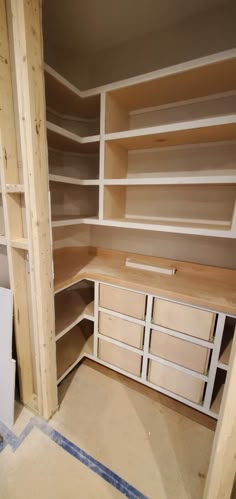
pixel 65 220
pixel 71 349
pixel 71 307
pixel 162 226
pixel 176 179
pixel 14 188
pixel 62 139
pixel 188 132
pixel 74 181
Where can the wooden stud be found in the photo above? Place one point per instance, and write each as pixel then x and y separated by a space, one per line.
pixel 25 29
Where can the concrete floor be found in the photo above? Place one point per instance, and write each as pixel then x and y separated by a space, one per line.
pixel 110 438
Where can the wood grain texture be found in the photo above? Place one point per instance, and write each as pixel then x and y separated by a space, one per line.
pixel 120 357
pixel 184 319
pixel 176 381
pixel 10 173
pixel 200 285
pixel 116 117
pixel 180 352
pixel 222 467
pixel 25 20
pixel 72 304
pixel 115 161
pixel 206 80
pixel 122 301
pixel 72 345
pixel 121 330
pixel 213 133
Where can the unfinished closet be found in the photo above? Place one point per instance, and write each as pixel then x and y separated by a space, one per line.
pixel 127 206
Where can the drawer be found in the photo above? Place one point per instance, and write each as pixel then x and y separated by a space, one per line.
pixel 185 319
pixel 123 301
pixel 181 352
pixel 121 330
pixel 120 357
pixel 175 381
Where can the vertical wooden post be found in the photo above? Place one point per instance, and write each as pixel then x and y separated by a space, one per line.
pixel 222 467
pixel 24 18
pixel 13 214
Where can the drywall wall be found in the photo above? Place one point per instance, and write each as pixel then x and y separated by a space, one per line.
pixel 204 250
pixel 73 65
pixel 4 274
pixel 194 37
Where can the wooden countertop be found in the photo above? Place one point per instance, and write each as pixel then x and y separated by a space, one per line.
pixel 205 286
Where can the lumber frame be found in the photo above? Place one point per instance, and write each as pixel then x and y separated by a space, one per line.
pixel 27 48
pixel 25 25
pixel 13 217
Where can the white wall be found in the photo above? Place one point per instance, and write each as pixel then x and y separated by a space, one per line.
pixel 204 250
pixel 194 37
pixel 190 39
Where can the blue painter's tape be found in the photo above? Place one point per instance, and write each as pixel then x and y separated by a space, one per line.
pixel 109 476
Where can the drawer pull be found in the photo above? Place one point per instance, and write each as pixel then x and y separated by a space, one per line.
pixel 152 268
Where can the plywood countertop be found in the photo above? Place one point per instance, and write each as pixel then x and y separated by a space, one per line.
pixel 205 286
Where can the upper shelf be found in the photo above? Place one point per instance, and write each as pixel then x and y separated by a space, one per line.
pixel 188 132
pixel 64 97
pixel 64 140
pixel 202 81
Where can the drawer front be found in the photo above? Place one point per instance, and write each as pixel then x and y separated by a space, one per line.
pixel 181 352
pixel 120 357
pixel 121 330
pixel 188 320
pixel 123 301
pixel 176 381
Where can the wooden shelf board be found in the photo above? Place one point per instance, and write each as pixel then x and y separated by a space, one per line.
pixel 15 188
pixel 200 285
pixel 215 406
pixel 3 240
pixel 69 180
pixel 20 243
pixel 71 307
pixel 224 358
pixel 177 178
pixel 71 348
pixel 193 83
pixel 64 220
pixel 211 229
pixel 62 139
pixel 192 132
pixel 66 98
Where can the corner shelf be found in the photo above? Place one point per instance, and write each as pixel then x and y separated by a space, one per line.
pixel 62 139
pixel 71 307
pixel 21 243
pixel 66 98
pixel 74 181
pixel 72 347
pixel 215 406
pixel 206 130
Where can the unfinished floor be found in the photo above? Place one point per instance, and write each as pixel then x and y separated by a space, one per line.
pixel 110 438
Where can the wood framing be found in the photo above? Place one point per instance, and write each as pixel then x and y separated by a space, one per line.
pixel 13 213
pixel 117 322
pixel 26 50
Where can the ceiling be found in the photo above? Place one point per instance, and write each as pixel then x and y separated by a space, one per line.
pixel 94 25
